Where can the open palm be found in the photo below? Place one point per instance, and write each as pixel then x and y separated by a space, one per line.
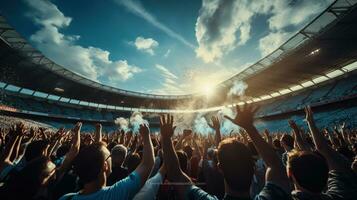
pixel 244 117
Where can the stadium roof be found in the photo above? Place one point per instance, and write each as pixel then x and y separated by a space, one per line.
pixel 324 45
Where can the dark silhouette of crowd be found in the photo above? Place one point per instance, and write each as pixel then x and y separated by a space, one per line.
pixel 38 163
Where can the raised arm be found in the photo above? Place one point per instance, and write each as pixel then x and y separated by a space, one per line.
pixel 298 138
pixel 73 151
pixel 268 137
pixel 216 126
pixel 276 172
pixel 16 150
pixel 334 159
pixel 174 171
pixel 98 133
pixel 14 136
pixel 147 162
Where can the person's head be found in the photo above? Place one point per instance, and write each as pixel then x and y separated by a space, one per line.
pixel 188 150
pixel 308 171
pixel 287 141
pixel 133 160
pixel 36 149
pixel 111 145
pixel 354 148
pixel 182 157
pixel 27 182
pixel 118 154
pixel 210 153
pixel 93 163
pixel 276 144
pixel 237 165
pixel 62 150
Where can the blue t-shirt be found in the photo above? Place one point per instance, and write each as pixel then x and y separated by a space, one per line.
pixel 123 189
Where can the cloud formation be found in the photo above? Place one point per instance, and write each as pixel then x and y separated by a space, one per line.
pixel 272 41
pixel 91 62
pixel 170 83
pixel 223 25
pixel 137 9
pixel 146 45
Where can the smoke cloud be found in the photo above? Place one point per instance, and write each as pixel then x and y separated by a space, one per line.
pixel 238 89
pixel 122 123
pixel 200 125
pixel 136 119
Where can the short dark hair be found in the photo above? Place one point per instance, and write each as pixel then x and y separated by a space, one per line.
pixel 89 162
pixel 188 150
pixel 236 163
pixel 132 161
pixel 182 157
pixel 288 140
pixel 309 169
pixel 35 149
pixel 277 144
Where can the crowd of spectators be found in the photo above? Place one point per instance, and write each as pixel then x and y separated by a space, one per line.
pixel 39 163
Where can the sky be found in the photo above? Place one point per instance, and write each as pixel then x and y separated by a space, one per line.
pixel 159 46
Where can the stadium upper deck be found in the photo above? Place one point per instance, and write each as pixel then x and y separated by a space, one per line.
pixel 327 46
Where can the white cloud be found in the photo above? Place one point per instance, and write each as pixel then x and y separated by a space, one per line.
pixel 272 41
pixel 219 22
pixel 223 25
pixel 122 70
pixel 167 53
pixel 167 73
pixel 169 84
pixel 287 13
pixel 91 62
pixel 146 44
pixel 137 9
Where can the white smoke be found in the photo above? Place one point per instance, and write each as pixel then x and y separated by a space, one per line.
pixel 238 89
pixel 122 123
pixel 200 125
pixel 136 119
pixel 226 125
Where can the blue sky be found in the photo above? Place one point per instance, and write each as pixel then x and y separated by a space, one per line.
pixel 159 46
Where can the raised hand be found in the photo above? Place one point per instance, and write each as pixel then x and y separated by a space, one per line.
pixel 144 130
pixel 244 117
pixel 60 133
pixel 166 126
pixel 73 151
pixel 343 126
pixel 293 125
pixel 18 130
pixel 268 137
pixel 309 115
pixel 215 123
pixel 76 140
pixel 98 132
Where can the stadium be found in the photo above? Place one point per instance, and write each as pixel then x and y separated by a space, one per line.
pixel 315 67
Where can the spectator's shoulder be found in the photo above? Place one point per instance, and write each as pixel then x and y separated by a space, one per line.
pixel 193 192
pixel 68 196
pixel 272 191
pixel 342 184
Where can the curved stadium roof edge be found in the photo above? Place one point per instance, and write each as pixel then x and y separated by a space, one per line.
pixel 308 32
